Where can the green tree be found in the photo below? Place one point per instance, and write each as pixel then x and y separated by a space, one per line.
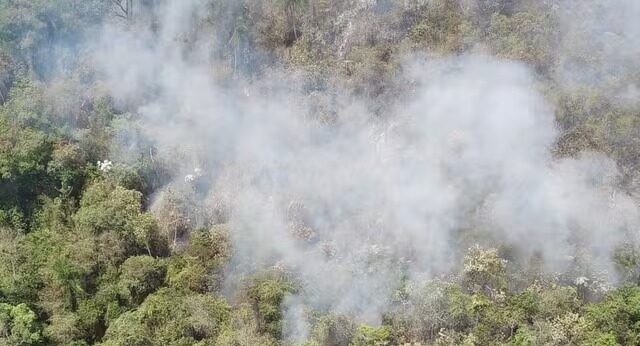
pixel 168 317
pixel 266 293
pixel 38 32
pixel 107 210
pixel 484 270
pixel 19 326
pixel 199 267
pixel 24 155
pixel 372 336
pixel 141 276
pixel 619 315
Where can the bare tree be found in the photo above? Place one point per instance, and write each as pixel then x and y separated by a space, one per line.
pixel 123 8
pixel 291 7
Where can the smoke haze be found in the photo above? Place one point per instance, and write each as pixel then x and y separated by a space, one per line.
pixel 350 202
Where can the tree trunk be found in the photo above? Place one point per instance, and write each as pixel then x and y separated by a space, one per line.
pixel 130 9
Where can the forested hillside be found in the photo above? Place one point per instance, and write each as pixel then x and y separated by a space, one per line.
pixel 319 172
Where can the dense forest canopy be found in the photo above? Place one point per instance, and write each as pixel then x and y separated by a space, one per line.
pixel 319 172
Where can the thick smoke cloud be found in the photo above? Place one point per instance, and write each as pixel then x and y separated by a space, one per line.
pixel 353 205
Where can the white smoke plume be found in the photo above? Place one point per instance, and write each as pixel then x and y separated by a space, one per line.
pixel 353 205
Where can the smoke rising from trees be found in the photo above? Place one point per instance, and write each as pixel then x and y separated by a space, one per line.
pixel 352 203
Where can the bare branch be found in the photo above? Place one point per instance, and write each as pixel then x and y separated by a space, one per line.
pixel 122 8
